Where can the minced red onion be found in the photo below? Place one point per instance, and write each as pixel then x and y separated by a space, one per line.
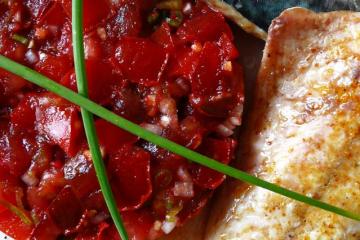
pixel 187 8
pixel 100 217
pixel 29 179
pixel 168 226
pixel 101 33
pixel 183 189
pixel 237 111
pixel 152 128
pixel 224 131
pixel 235 121
pixel 167 106
pixel 31 56
pixel 184 174
pixel 165 120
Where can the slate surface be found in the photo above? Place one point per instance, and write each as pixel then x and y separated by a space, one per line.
pixel 263 11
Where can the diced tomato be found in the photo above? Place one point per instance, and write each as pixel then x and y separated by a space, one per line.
pixel 127 19
pixel 39 197
pixel 94 11
pixel 208 25
pixel 80 174
pixel 23 116
pixel 227 48
pixel 101 80
pixel 16 145
pixel 37 7
pixel 45 229
pixel 221 150
pixel 212 88
pixel 41 160
pixel 209 74
pixel 13 226
pixel 142 61
pixel 184 62
pixel 163 37
pixel 127 103
pixel 11 193
pixel 10 48
pixel 130 168
pixel 65 209
pixel 194 206
pixel 111 137
pixel 59 122
pixel 54 16
pixel 138 224
pixel 54 67
pixel 98 233
pixel 11 83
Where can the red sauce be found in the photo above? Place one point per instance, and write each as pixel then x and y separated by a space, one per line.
pixel 172 71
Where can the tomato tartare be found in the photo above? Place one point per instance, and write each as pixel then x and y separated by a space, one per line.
pixel 169 66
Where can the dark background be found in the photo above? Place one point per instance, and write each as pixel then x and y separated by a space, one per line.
pixel 263 11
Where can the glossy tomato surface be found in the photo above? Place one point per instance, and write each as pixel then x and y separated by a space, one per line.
pixel 169 66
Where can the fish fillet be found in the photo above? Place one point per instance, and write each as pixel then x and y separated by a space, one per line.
pixel 303 134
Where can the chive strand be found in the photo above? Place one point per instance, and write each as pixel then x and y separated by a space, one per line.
pixel 88 119
pixel 135 129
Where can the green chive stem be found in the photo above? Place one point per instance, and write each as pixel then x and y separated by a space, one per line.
pixel 20 38
pixel 88 119
pixel 17 211
pixel 135 129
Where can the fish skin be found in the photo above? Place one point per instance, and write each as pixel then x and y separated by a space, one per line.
pixel 303 133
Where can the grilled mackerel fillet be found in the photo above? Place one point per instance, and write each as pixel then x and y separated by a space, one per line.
pixel 303 133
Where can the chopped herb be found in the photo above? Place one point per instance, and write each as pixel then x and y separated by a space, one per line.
pixel 20 39
pixel 170 5
pixel 17 211
pixel 175 19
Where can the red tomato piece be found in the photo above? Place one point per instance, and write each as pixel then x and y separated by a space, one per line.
pixel 94 11
pixel 37 7
pixel 130 168
pixel 80 174
pixel 13 226
pixel 163 37
pixel 54 16
pixel 54 67
pixel 111 137
pixel 209 77
pixel 137 223
pixel 208 25
pixel 101 80
pixel 127 19
pixel 194 206
pixel 23 116
pixel 11 83
pixel 65 210
pixel 183 63
pixel 45 229
pixel 14 155
pixel 212 87
pixel 141 61
pixel 127 103
pixel 227 47
pixel 39 197
pixel 220 150
pixel 59 122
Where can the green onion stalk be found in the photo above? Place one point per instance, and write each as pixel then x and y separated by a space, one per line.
pixel 88 119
